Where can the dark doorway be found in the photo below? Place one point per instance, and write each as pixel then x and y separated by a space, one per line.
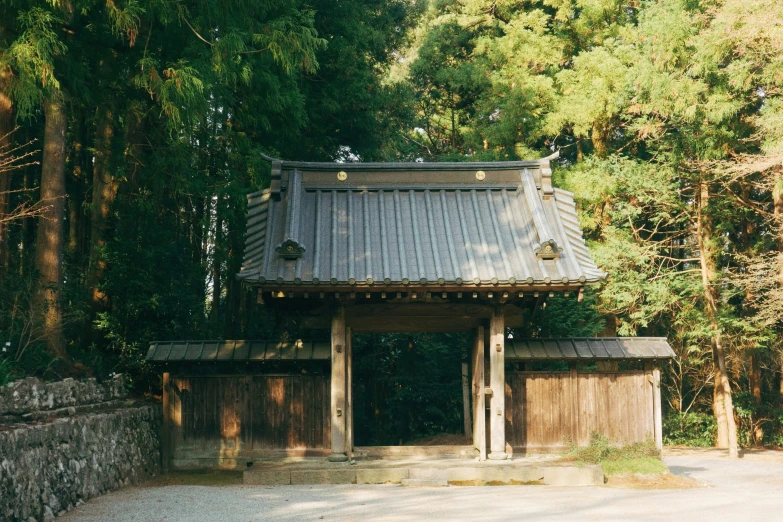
pixel 408 388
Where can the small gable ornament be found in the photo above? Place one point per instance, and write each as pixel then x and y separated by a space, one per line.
pixel 290 249
pixel 548 250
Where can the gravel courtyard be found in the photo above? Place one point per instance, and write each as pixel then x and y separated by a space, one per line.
pixel 748 489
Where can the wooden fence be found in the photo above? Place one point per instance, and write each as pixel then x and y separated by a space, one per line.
pixel 218 419
pixel 544 409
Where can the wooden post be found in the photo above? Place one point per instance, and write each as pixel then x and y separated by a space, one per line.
pixel 466 402
pixel 349 393
pixel 657 409
pixel 497 382
pixel 479 400
pixel 337 398
pixel 165 449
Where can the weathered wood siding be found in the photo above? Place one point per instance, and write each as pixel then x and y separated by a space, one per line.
pixel 544 409
pixel 235 416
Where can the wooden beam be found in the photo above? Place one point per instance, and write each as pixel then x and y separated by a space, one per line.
pixel 338 382
pixel 349 393
pixel 497 381
pixel 165 451
pixel 479 400
pixel 657 409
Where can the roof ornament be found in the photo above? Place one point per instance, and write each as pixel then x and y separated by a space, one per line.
pixel 546 175
pixel 290 250
pixel 548 250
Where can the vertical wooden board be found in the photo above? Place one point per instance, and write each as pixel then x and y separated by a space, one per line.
pixel 246 415
pixel 480 431
pixel 535 408
pixel 307 411
pixel 566 415
pixel 508 414
pixel 327 437
pixel 522 410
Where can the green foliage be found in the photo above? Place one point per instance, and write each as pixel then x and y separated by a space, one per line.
pixel 641 457
pixel 689 429
pixel 407 387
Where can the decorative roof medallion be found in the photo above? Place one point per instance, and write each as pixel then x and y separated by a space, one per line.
pixel 548 250
pixel 290 249
pixel 480 175
pixel 342 175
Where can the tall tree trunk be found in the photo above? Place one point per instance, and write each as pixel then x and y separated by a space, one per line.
pixel 104 190
pixel 722 386
pixel 6 127
pixel 580 155
pixel 216 288
pixel 50 240
pixel 777 200
pixel 599 138
pixel 755 378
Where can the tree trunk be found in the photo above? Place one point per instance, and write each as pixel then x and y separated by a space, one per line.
pixel 50 240
pixel 580 156
pixel 755 378
pixel 777 200
pixel 216 288
pixel 722 387
pixel 104 190
pixel 6 127
pixel 599 139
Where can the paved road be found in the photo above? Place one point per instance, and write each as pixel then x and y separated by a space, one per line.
pixel 747 489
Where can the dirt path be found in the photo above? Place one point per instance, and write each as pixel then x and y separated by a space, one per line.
pixel 747 489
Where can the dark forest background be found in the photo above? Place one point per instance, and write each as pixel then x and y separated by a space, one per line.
pixel 131 132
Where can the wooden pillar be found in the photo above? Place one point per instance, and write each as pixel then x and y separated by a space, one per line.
pixel 497 382
pixel 466 402
pixel 349 393
pixel 165 447
pixel 338 383
pixel 479 399
pixel 657 409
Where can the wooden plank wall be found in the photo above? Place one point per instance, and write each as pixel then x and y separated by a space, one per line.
pixel 545 409
pixel 242 415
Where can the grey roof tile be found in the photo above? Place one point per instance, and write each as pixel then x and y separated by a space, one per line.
pixel 593 348
pixel 418 223
pixel 227 351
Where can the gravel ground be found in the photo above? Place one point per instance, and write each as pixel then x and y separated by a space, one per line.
pixel 747 489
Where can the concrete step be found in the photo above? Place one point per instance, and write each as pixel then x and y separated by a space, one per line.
pixel 423 483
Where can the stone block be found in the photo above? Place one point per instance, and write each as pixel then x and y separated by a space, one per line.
pixel 591 475
pixel 381 475
pixel 266 478
pixel 324 476
pixel 424 483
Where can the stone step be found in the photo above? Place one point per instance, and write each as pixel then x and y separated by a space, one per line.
pixel 423 483
pixel 472 475
pixel 430 452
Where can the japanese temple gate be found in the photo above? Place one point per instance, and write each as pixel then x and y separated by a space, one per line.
pixel 409 247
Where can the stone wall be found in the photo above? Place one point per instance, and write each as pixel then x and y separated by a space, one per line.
pixel 65 442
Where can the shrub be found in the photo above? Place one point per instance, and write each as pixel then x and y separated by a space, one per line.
pixel 689 429
pixel 640 457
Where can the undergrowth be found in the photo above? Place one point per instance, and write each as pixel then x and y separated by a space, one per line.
pixel 640 457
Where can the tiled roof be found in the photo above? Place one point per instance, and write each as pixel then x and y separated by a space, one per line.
pixel 390 224
pixel 589 348
pixel 185 351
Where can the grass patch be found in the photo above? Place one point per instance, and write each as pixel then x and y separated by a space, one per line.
pixel 641 457
pixel 631 466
